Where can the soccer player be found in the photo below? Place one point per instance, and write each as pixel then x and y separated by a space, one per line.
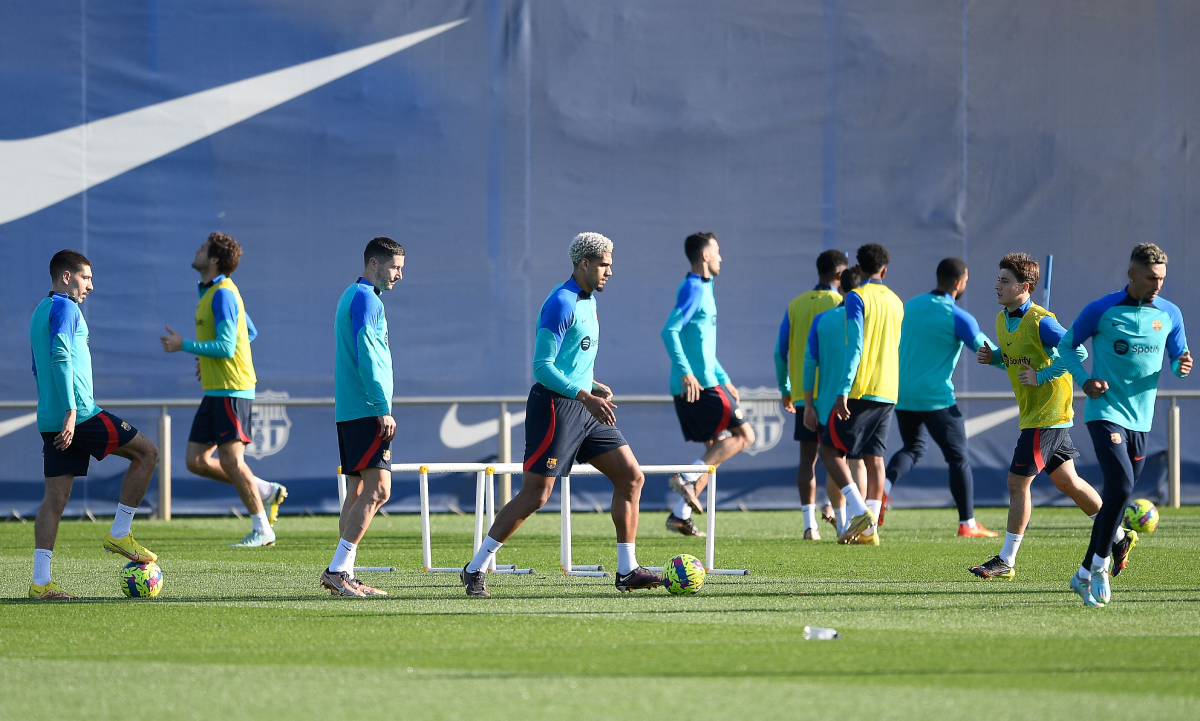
pixel 931 340
pixel 1130 330
pixel 1028 336
pixel 789 372
pixel 73 427
pixel 224 332
pixel 570 417
pixel 866 393
pixel 706 401
pixel 825 347
pixel 362 390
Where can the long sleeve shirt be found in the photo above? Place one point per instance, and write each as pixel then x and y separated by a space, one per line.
pixel 690 335
pixel 362 379
pixel 932 337
pixel 567 339
pixel 62 362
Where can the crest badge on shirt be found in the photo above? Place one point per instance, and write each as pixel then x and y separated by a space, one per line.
pixel 269 424
pixel 761 409
pixel 1156 325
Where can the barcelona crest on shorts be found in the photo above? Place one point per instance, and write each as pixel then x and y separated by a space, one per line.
pixel 551 463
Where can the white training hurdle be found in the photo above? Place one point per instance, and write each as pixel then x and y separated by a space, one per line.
pixel 485 511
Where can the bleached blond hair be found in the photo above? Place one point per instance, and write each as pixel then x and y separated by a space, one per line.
pixel 589 245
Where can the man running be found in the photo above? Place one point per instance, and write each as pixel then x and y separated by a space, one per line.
pixel 789 371
pixel 1028 336
pixel 74 429
pixel 224 332
pixel 570 418
pixel 362 391
pixel 866 392
pixel 1130 330
pixel 931 340
pixel 706 402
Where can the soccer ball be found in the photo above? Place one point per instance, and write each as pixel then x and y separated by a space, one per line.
pixel 1141 516
pixel 141 580
pixel 683 575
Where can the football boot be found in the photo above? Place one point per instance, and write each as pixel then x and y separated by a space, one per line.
pixel 129 548
pixel 995 568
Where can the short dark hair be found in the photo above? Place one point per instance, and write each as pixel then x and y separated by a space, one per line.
pixel 71 260
pixel 950 271
pixel 1148 254
pixel 696 243
pixel 1023 268
pixel 829 261
pixel 381 248
pixel 226 250
pixel 850 279
pixel 872 258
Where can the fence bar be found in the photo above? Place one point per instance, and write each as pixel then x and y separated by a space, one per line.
pixel 164 465
pixel 1173 454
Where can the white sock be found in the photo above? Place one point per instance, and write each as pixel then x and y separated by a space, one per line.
pixel 626 558
pixel 854 500
pixel 969 523
pixel 1012 542
pixel 693 477
pixel 483 557
pixel 682 510
pixel 1093 515
pixel 874 506
pixel 1099 563
pixel 265 488
pixel 343 557
pixel 261 524
pixel 1084 574
pixel 1120 535
pixel 839 515
pixel 123 521
pixel 810 516
pixel 41 566
pixel 887 486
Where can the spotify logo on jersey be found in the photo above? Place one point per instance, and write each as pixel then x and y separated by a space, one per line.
pixel 1121 347
pixel 585 343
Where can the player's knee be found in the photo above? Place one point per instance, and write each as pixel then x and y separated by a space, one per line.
pixel 633 487
pixel 146 452
pixel 195 464
pixel 1062 482
pixel 381 494
pixel 747 435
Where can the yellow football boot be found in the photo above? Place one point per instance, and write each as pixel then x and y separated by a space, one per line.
pixel 49 592
pixel 856 526
pixel 861 540
pixel 129 548
pixel 278 495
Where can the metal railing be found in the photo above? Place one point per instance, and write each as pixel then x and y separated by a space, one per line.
pixel 504 443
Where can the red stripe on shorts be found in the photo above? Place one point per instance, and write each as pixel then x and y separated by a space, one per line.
pixel 370 452
pixel 113 442
pixel 1038 460
pixel 837 442
pixel 725 410
pixel 545 441
pixel 236 423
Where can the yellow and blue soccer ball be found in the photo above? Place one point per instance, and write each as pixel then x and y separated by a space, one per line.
pixel 141 580
pixel 1141 516
pixel 683 575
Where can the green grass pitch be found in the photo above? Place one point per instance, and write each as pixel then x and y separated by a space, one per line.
pixel 244 633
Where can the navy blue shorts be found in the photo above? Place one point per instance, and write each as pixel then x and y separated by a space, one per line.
pixel 713 413
pixel 559 431
pixel 865 433
pixel 359 446
pixel 802 434
pixel 220 419
pixel 96 437
pixel 1042 449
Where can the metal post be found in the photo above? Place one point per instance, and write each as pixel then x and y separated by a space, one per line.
pixel 426 550
pixel 490 503
pixel 564 491
pixel 478 511
pixel 1173 454
pixel 164 465
pixel 710 543
pixel 504 454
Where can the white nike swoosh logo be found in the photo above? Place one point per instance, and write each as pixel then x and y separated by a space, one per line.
pixel 457 435
pixel 987 421
pixel 36 173
pixel 16 424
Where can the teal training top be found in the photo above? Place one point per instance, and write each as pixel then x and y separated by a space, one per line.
pixel 826 349
pixel 62 362
pixel 568 334
pixel 691 335
pixel 931 340
pixel 1129 338
pixel 362 368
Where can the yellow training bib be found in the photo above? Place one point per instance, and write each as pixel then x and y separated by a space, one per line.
pixel 801 312
pixel 236 373
pixel 1041 406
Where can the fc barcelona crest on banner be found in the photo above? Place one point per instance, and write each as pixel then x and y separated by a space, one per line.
pixel 763 412
pixel 269 425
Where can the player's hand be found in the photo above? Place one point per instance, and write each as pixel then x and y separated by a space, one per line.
pixel 691 388
pixel 600 408
pixel 1095 388
pixel 787 404
pixel 1185 363
pixel 601 391
pixel 810 418
pixel 1028 376
pixel 171 343
pixel 840 409
pixel 387 427
pixel 63 440
pixel 197 369
pixel 733 391
pixel 984 355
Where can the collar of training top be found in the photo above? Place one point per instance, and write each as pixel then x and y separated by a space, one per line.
pixel 55 293
pixel 822 286
pixel 363 282
pixel 1020 312
pixel 573 286
pixel 1130 300
pixel 702 278
pixel 938 291
pixel 871 280
pixel 211 283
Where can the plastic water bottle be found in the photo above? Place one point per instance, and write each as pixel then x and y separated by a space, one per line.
pixel 816 633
